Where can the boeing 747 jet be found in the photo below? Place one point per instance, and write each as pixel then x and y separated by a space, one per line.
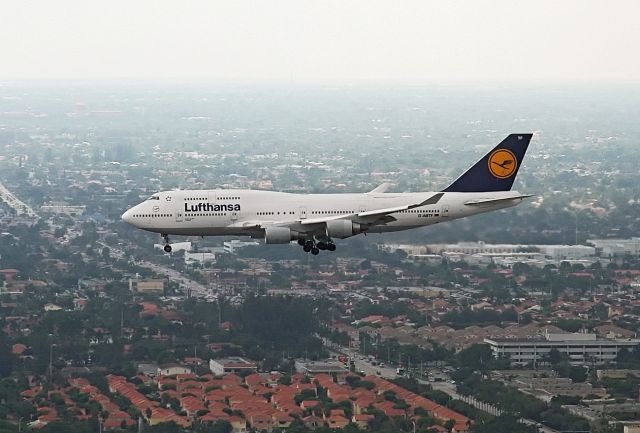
pixel 316 220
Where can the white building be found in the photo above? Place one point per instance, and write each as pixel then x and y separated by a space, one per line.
pixel 632 427
pixel 146 285
pixel 559 252
pixel 582 349
pixel 470 248
pixel 199 257
pixel 172 369
pixel 507 254
pixel 617 247
pixel 64 209
pixel 234 245
pixel 232 364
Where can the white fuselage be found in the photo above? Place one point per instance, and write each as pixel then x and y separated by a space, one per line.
pixel 236 212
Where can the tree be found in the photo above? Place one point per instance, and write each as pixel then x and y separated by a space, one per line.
pixel 165 427
pixel 219 426
pixel 479 357
pixel 578 374
pixel 6 357
pixel 504 423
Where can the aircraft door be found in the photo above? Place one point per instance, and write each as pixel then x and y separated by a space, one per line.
pixel 445 211
pixel 302 212
pixel 179 212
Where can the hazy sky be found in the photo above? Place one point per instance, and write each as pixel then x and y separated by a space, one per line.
pixel 410 41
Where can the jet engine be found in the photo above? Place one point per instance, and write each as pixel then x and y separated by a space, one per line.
pixel 342 229
pixel 278 235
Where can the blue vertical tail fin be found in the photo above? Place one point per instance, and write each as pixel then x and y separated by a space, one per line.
pixel 497 170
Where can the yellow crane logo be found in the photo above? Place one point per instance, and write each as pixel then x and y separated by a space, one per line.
pixel 502 163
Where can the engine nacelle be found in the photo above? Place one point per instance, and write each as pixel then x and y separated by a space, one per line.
pixel 342 229
pixel 278 235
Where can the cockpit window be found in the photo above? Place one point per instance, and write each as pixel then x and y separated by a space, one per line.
pixel 154 197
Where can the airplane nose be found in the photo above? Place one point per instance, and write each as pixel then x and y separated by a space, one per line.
pixel 128 216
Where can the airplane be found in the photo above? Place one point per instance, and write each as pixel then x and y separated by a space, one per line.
pixel 316 220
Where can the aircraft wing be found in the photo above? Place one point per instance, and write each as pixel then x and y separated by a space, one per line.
pixel 488 201
pixel 368 217
pixel 371 216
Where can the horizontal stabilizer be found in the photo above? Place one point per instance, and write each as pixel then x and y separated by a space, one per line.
pixel 489 201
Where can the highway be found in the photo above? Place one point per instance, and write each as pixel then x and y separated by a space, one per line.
pixel 16 204
pixel 197 290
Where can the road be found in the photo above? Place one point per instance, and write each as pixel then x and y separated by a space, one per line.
pixel 197 290
pixel 14 202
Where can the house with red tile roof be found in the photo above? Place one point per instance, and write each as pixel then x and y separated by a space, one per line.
pixel 160 415
pixel 388 408
pixel 337 421
pixel 18 349
pixel 291 409
pixel 117 420
pixel 191 405
pixel 239 425
pixel 313 421
pixel 119 384
pixel 281 420
pixel 259 420
pixel 185 377
pixel 47 415
pixel 441 413
pixel 362 403
pixel 308 404
pixel 362 420
pixel 193 389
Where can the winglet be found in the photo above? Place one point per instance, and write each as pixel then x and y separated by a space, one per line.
pixel 497 170
pixel 382 188
pixel 431 200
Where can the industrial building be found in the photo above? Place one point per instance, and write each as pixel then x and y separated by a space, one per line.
pixel 232 364
pixel 146 286
pixel 582 348
pixel 312 368
pixel 72 211
pixel 617 247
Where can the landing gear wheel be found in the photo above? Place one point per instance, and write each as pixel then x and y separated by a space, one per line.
pixel 301 242
pixel 321 246
pixel 315 251
pixel 167 247
pixel 331 247
pixel 307 248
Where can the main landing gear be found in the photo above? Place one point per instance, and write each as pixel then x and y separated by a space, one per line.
pixel 167 246
pixel 313 247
